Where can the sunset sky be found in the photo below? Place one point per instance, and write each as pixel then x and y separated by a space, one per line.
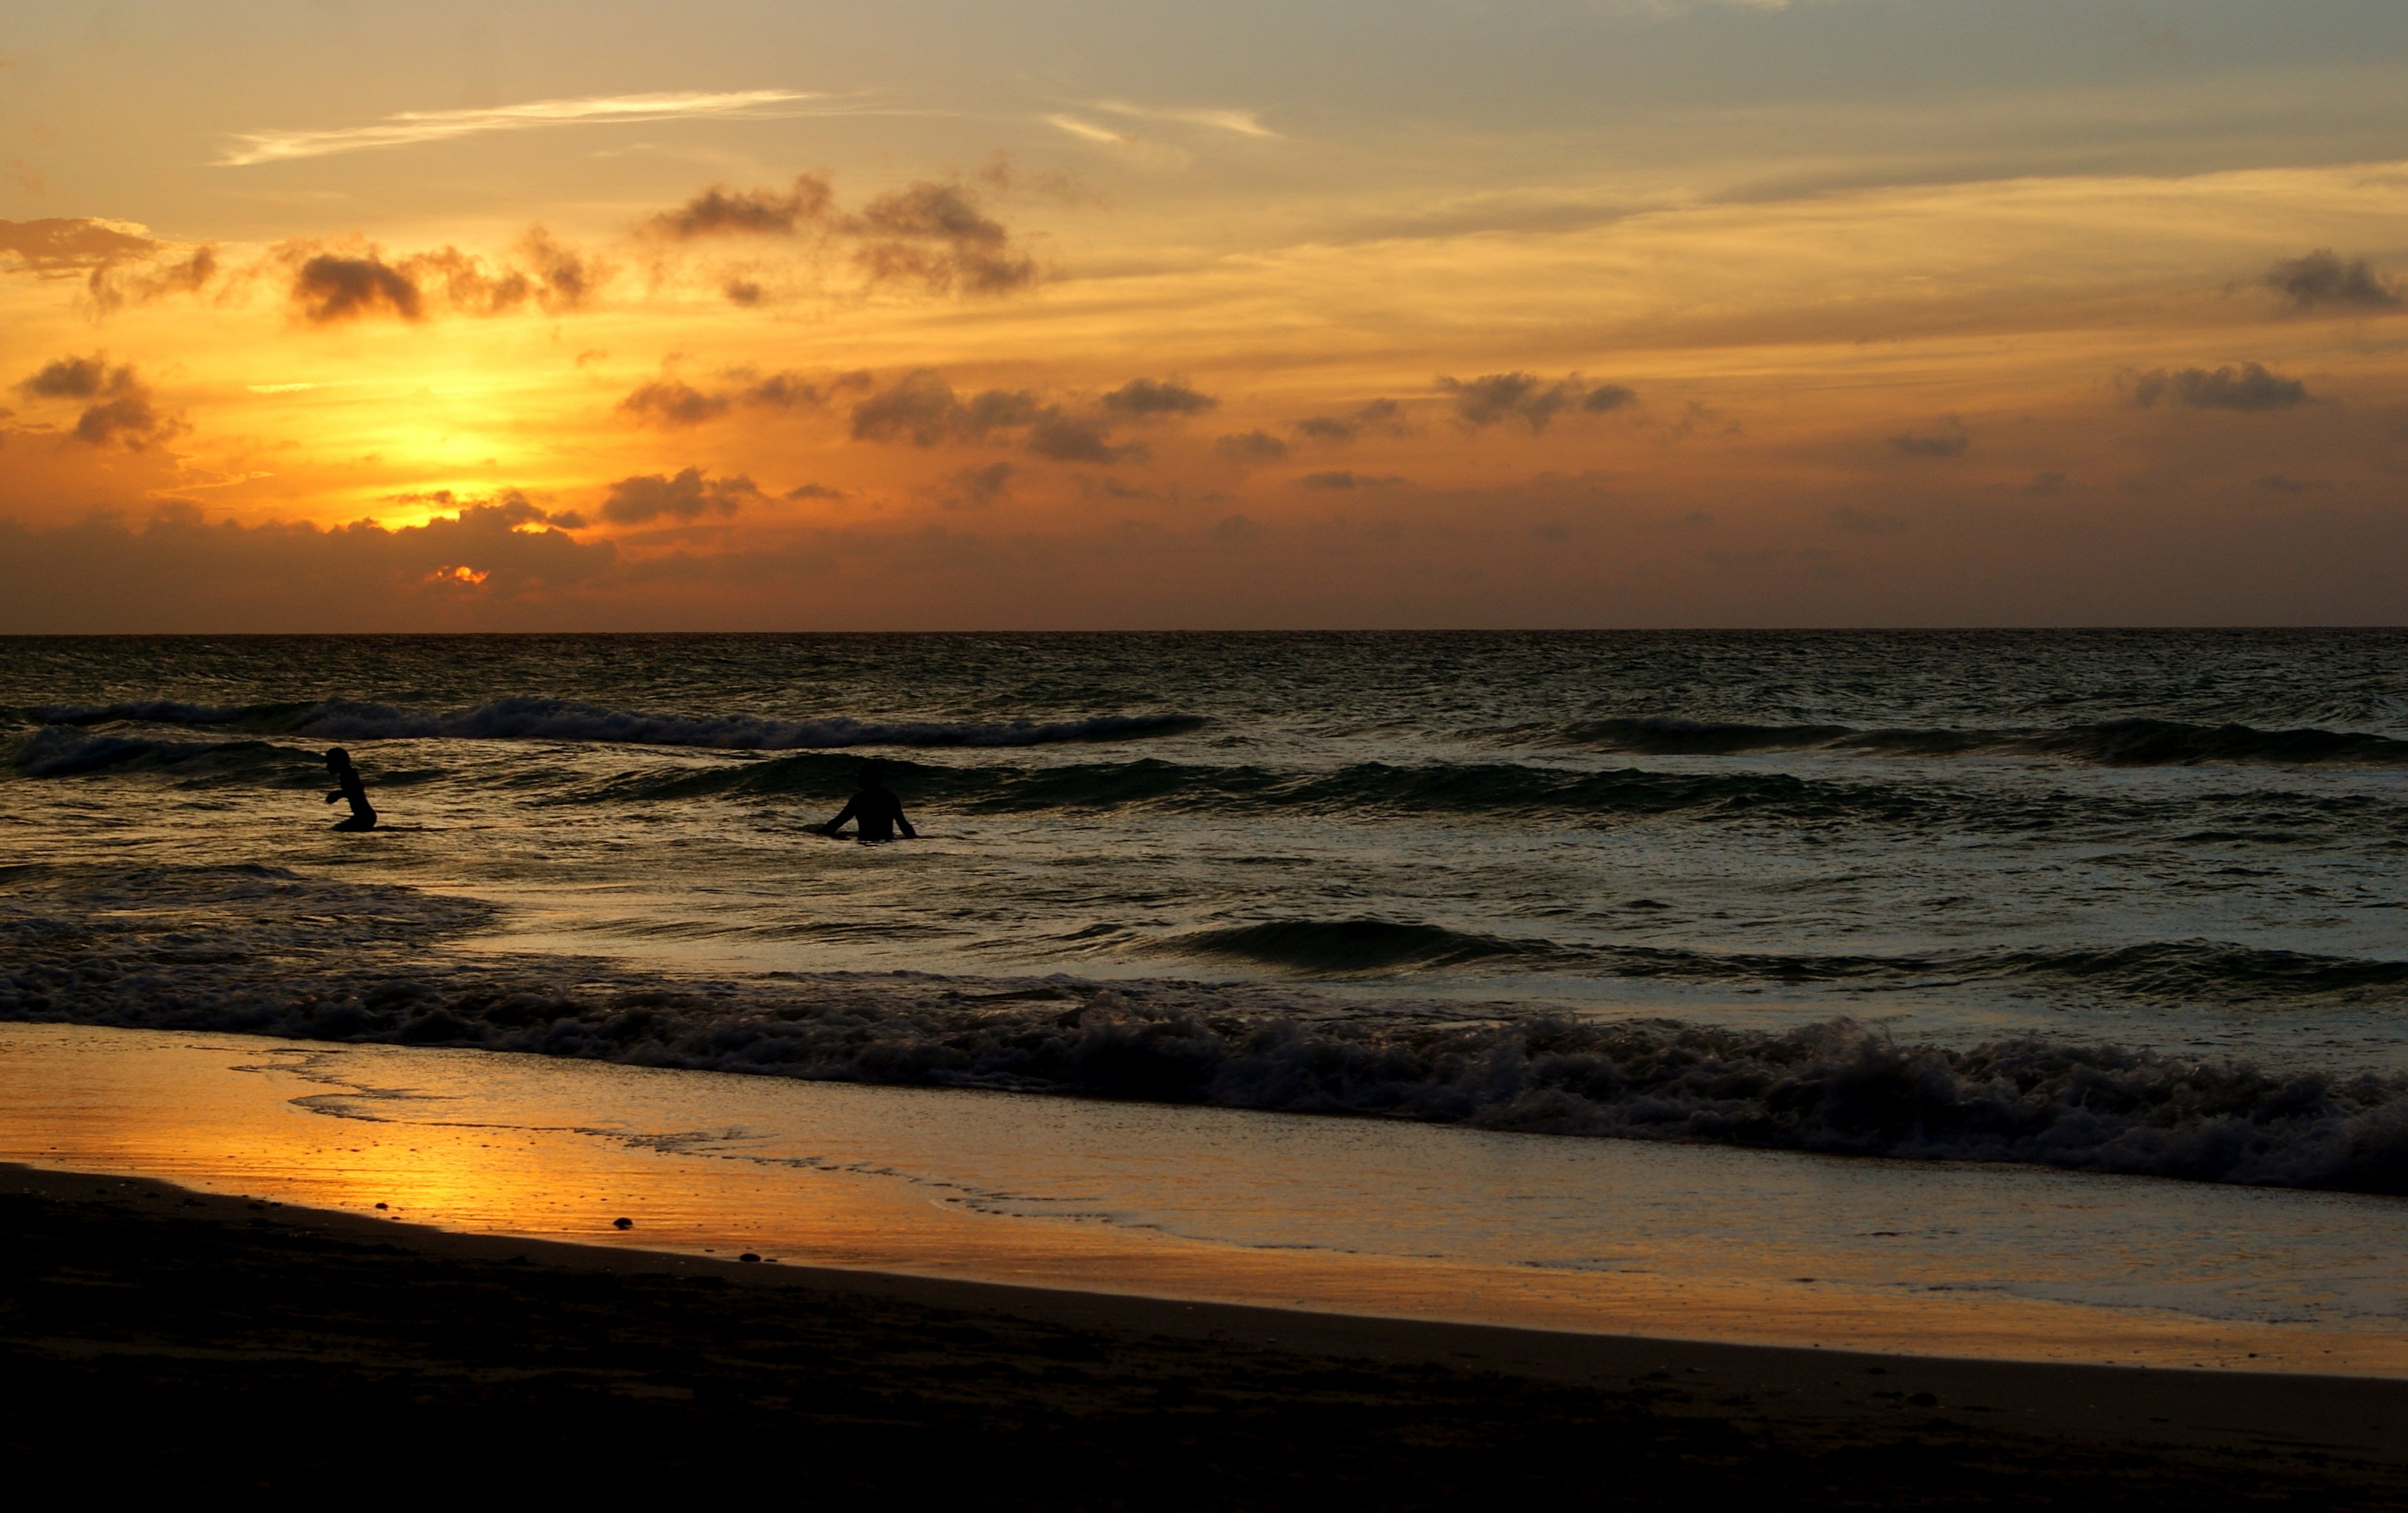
pixel 357 316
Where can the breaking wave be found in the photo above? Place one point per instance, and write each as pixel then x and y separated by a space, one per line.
pixel 2129 742
pixel 560 719
pixel 60 751
pixel 2167 971
pixel 260 950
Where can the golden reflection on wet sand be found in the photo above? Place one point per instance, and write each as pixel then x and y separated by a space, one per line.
pixel 1346 1215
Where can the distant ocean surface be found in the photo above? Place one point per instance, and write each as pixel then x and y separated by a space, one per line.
pixel 2125 902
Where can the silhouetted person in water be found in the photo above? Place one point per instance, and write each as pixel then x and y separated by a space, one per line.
pixel 879 813
pixel 339 762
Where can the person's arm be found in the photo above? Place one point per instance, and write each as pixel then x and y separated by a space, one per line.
pixel 842 816
pixel 905 824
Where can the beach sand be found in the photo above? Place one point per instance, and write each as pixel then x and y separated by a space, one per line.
pixel 163 1340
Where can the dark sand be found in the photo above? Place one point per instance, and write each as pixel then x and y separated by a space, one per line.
pixel 153 1338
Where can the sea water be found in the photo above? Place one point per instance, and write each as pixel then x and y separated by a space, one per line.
pixel 2114 902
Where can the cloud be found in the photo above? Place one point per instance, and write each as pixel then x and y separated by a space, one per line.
pixel 1074 438
pixel 1251 446
pixel 1949 441
pixel 1242 123
pixel 938 236
pixel 2280 483
pixel 327 288
pixel 1496 397
pixel 1343 478
pixel 673 403
pixel 922 409
pixel 935 235
pixel 179 572
pixel 1848 518
pixel 64 247
pixel 1170 397
pixel 116 286
pixel 73 378
pixel 120 412
pixel 2321 278
pixel 125 265
pixel 355 281
pixel 2047 484
pixel 410 127
pixel 1380 415
pixel 670 403
pixel 689 496
pixel 977 488
pixel 812 491
pixel 2249 387
pixel 720 211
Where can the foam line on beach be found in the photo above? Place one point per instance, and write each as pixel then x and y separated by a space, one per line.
pixel 261 950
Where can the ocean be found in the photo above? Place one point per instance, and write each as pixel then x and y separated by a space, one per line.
pixel 2123 901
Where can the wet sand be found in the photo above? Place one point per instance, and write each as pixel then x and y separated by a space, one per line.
pixel 163 1339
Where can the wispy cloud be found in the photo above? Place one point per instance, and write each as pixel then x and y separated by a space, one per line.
pixel 413 126
pixel 1087 130
pixel 1244 123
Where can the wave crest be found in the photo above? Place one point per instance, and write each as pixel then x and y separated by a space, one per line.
pixel 522 718
pixel 2126 743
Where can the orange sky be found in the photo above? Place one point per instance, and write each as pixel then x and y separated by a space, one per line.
pixel 735 316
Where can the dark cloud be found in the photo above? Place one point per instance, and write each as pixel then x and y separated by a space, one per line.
pixel 938 237
pixel 1493 399
pixel 1496 397
pixel 935 235
pixel 1076 438
pixel 2248 387
pixel 564 279
pixel 976 488
pixel 62 247
pixel 1848 518
pixel 116 287
pixel 689 496
pixel 327 288
pixel 792 390
pixel 127 420
pixel 922 409
pixel 510 505
pixel 2323 280
pixel 671 404
pixel 357 281
pixel 812 491
pixel 74 378
pixel 125 267
pixel 2281 484
pixel 1380 415
pixel 1251 446
pixel 178 571
pixel 120 411
pixel 1170 397
pixel 1343 478
pixel 1949 441
pixel 2046 483
pixel 720 211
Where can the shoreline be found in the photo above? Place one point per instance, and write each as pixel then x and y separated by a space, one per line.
pixel 283 1307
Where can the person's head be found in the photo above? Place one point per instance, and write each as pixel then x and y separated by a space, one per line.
pixel 872 774
pixel 337 759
